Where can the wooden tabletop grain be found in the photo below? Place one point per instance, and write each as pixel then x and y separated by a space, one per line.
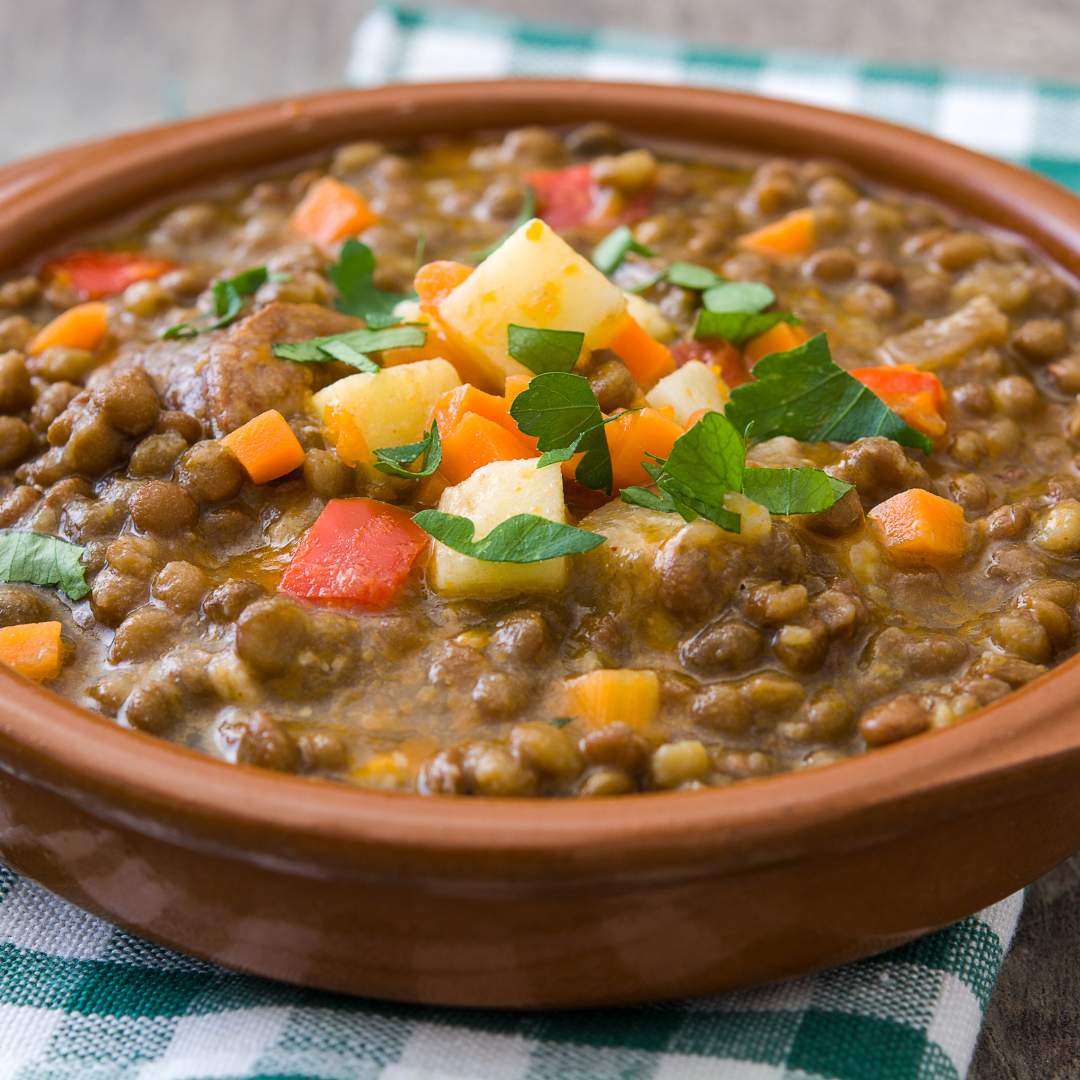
pixel 74 69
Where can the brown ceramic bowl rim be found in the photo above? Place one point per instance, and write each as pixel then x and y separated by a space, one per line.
pixel 189 798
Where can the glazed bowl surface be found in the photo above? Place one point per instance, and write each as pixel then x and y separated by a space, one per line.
pixel 523 903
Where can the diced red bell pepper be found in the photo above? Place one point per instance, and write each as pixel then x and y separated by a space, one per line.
pixel 917 397
pixel 569 198
pixel 359 552
pixel 97 274
pixel 716 353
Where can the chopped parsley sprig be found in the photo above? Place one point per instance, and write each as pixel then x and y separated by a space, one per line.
pixel 523 538
pixel 353 275
pixel 709 462
pixel 805 394
pixel 561 411
pixel 228 297
pixel 39 559
pixel 351 347
pixel 395 460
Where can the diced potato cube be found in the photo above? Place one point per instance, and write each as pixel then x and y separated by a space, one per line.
pixel 488 497
pixel 650 318
pixel 389 408
pixel 534 278
pixel 940 342
pixel 688 389
pixel 755 522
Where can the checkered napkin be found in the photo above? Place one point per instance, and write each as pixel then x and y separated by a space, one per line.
pixel 80 1000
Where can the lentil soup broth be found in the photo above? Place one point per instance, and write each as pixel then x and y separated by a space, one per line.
pixel 676 652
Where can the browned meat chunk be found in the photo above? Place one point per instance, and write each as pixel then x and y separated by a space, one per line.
pixel 228 377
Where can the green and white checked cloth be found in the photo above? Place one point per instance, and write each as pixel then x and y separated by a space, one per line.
pixel 81 1000
pixel 1034 123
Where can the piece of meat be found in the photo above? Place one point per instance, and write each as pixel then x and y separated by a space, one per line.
pixel 226 378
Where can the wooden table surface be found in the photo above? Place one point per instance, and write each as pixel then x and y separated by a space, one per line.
pixel 74 69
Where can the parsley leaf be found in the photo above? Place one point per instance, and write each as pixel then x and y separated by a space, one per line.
pixel 43 560
pixel 228 296
pixel 562 412
pixel 351 347
pixel 689 275
pixel 353 276
pixel 561 721
pixel 803 393
pixel 651 500
pixel 710 460
pixel 544 350
pixel 743 296
pixel 526 213
pixel 523 538
pixel 705 464
pixel 738 326
pixel 610 252
pixel 793 491
pixel 394 460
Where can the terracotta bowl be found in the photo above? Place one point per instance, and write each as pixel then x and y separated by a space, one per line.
pixel 517 902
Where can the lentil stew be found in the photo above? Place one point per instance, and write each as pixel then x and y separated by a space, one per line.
pixel 200 408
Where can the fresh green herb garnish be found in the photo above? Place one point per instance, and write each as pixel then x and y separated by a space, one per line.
pixel 523 538
pixel 561 721
pixel 804 394
pixel 562 412
pixel 352 347
pixel 544 350
pixel 43 560
pixel 353 276
pixel 710 460
pixel 738 326
pixel 228 296
pixel 608 255
pixel 735 311
pixel 740 296
pixel 793 491
pixel 526 213
pixel 394 460
pixel 691 276
pixel 345 353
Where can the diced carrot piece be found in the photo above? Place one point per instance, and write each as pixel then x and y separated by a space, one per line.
pixel 435 281
pixel 720 355
pixel 332 211
pixel 345 434
pixel 454 404
pixel 917 397
pixel 647 359
pixel 634 435
pixel 919 527
pixel 96 274
pixel 781 338
pixel 266 447
pixel 791 235
pixel 32 649
pixel 611 695
pixel 514 386
pixel 80 327
pixel 476 441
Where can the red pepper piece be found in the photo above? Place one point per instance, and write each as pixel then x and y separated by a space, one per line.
pixel 717 353
pixel 359 552
pixel 97 274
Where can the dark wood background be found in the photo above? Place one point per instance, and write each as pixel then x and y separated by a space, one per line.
pixel 74 69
